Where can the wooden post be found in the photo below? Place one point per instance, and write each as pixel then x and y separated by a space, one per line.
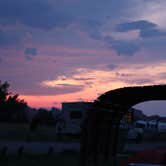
pixel 4 151
pixel 95 137
pixel 20 151
pixel 83 145
pixel 109 139
pixel 50 150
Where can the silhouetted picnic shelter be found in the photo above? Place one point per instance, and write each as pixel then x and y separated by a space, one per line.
pixel 100 129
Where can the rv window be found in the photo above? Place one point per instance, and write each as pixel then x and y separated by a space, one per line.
pixel 75 115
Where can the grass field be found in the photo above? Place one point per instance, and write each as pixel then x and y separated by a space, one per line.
pixel 21 132
pixel 17 132
pixel 61 159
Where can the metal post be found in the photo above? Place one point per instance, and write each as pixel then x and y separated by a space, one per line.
pixel 116 136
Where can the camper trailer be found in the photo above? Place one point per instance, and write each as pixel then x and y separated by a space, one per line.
pixel 73 114
pixel 136 132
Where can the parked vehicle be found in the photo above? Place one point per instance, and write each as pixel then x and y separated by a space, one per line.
pixel 161 127
pixel 135 134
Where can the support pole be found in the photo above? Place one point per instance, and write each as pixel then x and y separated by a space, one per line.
pixel 116 137
pixel 108 142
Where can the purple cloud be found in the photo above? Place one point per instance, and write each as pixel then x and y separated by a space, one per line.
pixel 30 53
pixel 36 14
pixel 9 38
pixel 135 25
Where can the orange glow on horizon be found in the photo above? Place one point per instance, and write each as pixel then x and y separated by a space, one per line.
pixel 96 82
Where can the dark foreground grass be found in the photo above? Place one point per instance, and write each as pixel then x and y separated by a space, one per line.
pixel 21 132
pixel 60 159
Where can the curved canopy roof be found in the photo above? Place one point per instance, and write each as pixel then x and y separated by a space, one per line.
pixel 130 96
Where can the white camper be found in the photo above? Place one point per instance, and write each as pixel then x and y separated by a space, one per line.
pixel 73 114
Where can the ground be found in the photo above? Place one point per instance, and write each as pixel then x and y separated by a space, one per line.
pixel 36 147
pixel 21 132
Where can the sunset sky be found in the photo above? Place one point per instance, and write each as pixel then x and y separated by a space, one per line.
pixel 53 51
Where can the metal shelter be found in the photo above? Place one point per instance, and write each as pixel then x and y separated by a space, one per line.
pixel 100 129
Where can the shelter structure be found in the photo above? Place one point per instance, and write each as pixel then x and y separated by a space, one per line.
pixel 100 129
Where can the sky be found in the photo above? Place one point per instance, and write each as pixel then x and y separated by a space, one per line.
pixel 54 51
pixel 152 108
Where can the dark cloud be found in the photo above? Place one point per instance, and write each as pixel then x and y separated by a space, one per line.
pixel 147 33
pixel 92 27
pixel 34 89
pixel 93 23
pixel 135 25
pixel 62 90
pixel 118 74
pixel 65 85
pixel 147 29
pixel 95 35
pixel 111 66
pixel 139 81
pixel 37 14
pixel 82 79
pixel 41 14
pixel 30 53
pixel 89 84
pixel 125 47
pixel 128 48
pixel 9 37
pixel 133 79
pixel 108 39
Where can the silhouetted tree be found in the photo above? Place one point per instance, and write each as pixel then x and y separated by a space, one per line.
pixel 12 109
pixel 15 108
pixel 43 117
pixel 3 94
pixel 34 124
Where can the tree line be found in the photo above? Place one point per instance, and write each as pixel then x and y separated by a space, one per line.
pixel 13 109
pixel 11 106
